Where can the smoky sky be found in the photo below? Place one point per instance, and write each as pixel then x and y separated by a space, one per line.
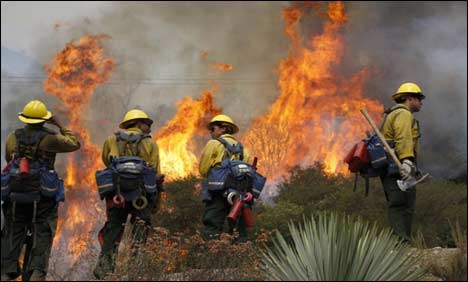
pixel 157 48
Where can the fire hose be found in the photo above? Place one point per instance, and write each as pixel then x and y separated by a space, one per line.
pixel 140 203
pixel 118 199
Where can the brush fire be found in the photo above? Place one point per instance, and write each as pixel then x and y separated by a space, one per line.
pixel 315 112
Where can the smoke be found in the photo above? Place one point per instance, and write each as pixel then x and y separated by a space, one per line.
pixel 157 48
pixel 424 43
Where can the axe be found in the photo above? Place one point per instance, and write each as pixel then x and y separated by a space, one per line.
pixel 403 185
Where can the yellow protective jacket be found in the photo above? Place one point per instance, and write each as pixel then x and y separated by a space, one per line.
pixel 62 142
pixel 149 150
pixel 402 128
pixel 213 154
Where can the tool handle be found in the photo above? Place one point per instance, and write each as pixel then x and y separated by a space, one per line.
pixel 382 139
pixel 254 164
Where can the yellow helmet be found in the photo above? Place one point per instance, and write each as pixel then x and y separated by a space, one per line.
pixel 133 115
pixel 408 89
pixel 34 112
pixel 224 119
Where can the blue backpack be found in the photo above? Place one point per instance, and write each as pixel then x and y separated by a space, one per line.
pixel 233 174
pixel 129 174
pixel 380 162
pixel 41 181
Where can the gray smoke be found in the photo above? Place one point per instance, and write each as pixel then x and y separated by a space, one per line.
pixel 157 48
pixel 425 43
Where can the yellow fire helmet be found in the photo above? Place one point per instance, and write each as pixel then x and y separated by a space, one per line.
pixel 34 112
pixel 224 119
pixel 133 115
pixel 408 88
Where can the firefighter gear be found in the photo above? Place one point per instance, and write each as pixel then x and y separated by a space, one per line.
pixel 39 218
pixel 214 153
pixel 117 215
pixel 401 129
pixel 407 170
pixel 216 205
pixel 224 119
pixel 134 115
pixel 34 112
pixel 408 88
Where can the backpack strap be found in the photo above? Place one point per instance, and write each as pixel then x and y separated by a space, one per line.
pixel 236 149
pixel 355 181
pixel 367 186
pixel 31 141
pixel 130 139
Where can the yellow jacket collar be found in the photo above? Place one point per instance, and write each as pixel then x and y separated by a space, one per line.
pixel 401 106
pixel 227 136
pixel 133 129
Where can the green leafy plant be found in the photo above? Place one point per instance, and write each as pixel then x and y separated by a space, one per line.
pixel 334 247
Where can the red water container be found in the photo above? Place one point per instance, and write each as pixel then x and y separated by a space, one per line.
pixel 23 167
pixel 358 157
pixel 247 217
pixel 235 211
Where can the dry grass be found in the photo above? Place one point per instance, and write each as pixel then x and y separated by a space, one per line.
pixel 455 267
pixel 179 256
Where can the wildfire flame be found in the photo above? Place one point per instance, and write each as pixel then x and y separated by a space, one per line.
pixel 316 117
pixel 223 67
pixel 176 139
pixel 73 75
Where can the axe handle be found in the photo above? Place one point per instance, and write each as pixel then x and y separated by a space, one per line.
pixel 382 139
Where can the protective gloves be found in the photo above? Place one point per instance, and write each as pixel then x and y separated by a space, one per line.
pixel 407 170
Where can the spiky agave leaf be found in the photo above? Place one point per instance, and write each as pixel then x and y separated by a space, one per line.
pixel 339 248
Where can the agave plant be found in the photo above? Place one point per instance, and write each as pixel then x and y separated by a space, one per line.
pixel 339 248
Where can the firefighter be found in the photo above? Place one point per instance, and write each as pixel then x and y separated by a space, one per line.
pixel 28 208
pixel 401 130
pixel 216 204
pixel 135 123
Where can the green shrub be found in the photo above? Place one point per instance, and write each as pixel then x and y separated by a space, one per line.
pixel 339 248
pixel 278 217
pixel 437 202
pixel 181 206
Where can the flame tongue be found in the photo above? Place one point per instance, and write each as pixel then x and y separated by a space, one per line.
pixel 316 116
pixel 175 140
pixel 73 76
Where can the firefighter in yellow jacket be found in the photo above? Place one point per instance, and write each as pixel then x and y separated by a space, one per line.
pixel 216 204
pixel 136 199
pixel 31 195
pixel 401 130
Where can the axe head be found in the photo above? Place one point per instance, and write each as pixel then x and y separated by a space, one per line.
pixel 405 185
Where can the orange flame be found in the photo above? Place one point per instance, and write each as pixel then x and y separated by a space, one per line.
pixel 73 75
pixel 176 140
pixel 316 117
pixel 223 67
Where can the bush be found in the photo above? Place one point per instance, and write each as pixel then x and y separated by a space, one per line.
pixel 168 256
pixel 181 206
pixel 339 248
pixel 437 202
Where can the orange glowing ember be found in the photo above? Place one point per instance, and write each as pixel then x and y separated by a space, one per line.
pixel 316 117
pixel 222 67
pixel 176 139
pixel 73 76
